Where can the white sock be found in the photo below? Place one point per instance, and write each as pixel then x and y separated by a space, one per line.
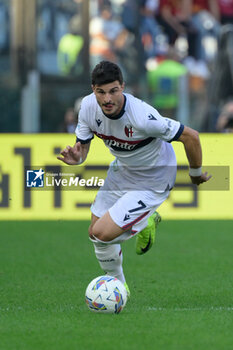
pixel 110 259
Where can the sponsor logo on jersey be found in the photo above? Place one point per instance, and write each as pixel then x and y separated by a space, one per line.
pixel 123 145
pixel 120 145
pixel 128 131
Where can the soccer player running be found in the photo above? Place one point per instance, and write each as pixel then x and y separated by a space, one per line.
pixel 140 178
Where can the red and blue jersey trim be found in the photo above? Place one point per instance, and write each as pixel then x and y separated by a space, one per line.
pixel 129 224
pixel 123 145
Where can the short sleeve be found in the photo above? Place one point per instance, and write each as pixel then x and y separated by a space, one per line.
pixel 154 125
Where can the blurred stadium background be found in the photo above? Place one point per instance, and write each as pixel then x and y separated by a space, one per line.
pixel 182 64
pixel 48 48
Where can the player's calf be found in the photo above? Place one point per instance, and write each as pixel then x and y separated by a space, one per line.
pixel 110 259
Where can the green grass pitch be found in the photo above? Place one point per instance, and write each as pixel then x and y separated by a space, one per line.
pixel 181 290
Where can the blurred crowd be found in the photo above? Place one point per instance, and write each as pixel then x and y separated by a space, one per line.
pixel 167 39
pixel 122 30
pixel 170 47
pixel 191 27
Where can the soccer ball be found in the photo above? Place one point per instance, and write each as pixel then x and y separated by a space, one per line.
pixel 106 294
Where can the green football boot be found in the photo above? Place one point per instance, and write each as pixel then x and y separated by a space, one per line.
pixel 145 239
pixel 127 290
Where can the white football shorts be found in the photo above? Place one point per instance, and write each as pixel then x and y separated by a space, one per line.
pixel 129 210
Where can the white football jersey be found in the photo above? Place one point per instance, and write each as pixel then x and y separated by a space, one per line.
pixel 139 137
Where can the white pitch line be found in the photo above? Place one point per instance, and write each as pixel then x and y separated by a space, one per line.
pixel 212 308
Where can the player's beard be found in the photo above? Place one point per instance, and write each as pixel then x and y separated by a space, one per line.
pixel 115 110
pixel 112 111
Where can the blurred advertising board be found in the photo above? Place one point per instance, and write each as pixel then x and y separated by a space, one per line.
pixel 34 185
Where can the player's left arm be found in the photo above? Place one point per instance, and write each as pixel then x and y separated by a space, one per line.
pixel 192 145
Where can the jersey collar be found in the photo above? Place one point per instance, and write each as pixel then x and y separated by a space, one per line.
pixel 122 111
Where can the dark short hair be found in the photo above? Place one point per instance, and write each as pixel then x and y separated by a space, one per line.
pixel 106 72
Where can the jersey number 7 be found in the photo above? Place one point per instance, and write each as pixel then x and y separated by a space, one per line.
pixel 142 206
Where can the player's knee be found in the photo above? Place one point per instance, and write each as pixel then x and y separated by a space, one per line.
pixel 99 233
pixel 90 231
pixel 95 232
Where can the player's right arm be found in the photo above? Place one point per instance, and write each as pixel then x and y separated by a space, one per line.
pixel 75 155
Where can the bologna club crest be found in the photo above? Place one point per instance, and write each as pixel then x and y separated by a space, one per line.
pixel 128 131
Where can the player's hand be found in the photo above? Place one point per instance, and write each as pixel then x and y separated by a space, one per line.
pixel 197 180
pixel 71 155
